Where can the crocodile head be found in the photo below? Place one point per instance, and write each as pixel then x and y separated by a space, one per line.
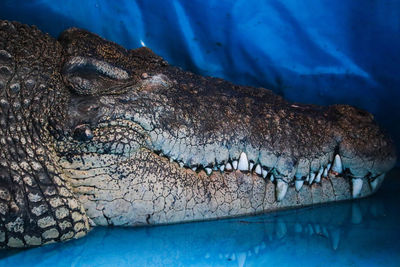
pixel 93 133
pixel 146 142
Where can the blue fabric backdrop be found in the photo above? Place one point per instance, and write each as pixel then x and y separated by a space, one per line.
pixel 315 51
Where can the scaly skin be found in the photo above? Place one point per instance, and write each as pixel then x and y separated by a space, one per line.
pixel 94 133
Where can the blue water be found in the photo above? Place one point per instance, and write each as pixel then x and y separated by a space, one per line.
pixel 353 233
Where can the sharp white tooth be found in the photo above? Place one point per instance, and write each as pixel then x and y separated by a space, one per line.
pixel 298 184
pixel 318 178
pixel 337 164
pixel 328 167
pixel 194 169
pixel 171 159
pixel 241 259
pixel 181 164
pixel 235 164
pixel 376 183
pixel 222 168
pixel 208 171
pixel 357 185
pixel 264 173
pixel 215 168
pixel 258 169
pixel 272 178
pixel 325 174
pixel 281 189
pixel 312 176
pixel 228 167
pixel 251 165
pixel 243 162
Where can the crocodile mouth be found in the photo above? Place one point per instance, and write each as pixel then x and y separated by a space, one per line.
pixel 244 150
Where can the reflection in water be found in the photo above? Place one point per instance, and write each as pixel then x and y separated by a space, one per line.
pixel 363 232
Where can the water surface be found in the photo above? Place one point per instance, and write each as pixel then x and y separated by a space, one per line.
pixel 365 232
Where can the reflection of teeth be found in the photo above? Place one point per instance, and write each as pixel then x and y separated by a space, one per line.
pixel 298 228
pixel 317 228
pixel 337 164
pixel 325 232
pixel 281 229
pixel 310 229
pixel 281 189
pixel 241 258
pixel 357 185
pixel 335 238
pixel 256 250
pixel 356 214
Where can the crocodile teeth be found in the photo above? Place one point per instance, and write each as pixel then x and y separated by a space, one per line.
pixel 258 169
pixel 228 167
pixel 337 164
pixel 235 164
pixel 194 169
pixel 312 176
pixel 222 168
pixel 281 189
pixel 318 178
pixel 357 185
pixel 264 173
pixel 325 174
pixel 377 182
pixel 272 178
pixel 181 164
pixel 243 162
pixel 298 184
pixel 251 165
pixel 208 171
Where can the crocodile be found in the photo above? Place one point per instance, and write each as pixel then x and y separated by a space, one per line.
pixel 95 134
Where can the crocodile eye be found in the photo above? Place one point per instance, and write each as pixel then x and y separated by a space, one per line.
pixel 90 76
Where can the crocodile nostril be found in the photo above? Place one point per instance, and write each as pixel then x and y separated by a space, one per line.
pixel 82 133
